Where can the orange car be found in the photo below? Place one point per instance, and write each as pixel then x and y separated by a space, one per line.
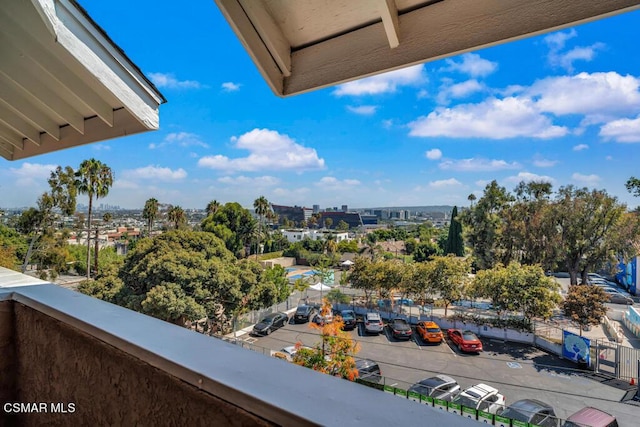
pixel 429 332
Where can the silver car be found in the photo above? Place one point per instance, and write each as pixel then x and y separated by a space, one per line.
pixel 373 323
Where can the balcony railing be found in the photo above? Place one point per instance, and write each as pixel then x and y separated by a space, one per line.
pixel 69 359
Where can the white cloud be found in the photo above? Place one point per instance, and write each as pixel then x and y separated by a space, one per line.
pixel 556 41
pixel 580 147
pixel 493 118
pixel 422 94
pixel 330 183
pixel 101 147
pixel 230 86
pixel 622 130
pixel 166 80
pixel 123 184
pixel 458 90
pixel 544 163
pixel 387 124
pixel 183 139
pixel 32 174
pixel 528 177
pixel 609 158
pixel 444 183
pixel 558 58
pixel 268 150
pixel 482 183
pixel 383 83
pixel 258 181
pixel 599 96
pixel 154 173
pixel 433 154
pixel 585 179
pixel 364 110
pixel 472 64
pixel 477 165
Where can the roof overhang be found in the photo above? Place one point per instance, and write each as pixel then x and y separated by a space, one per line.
pixel 64 83
pixel 302 45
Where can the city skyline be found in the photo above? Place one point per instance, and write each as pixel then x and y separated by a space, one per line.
pixel 431 134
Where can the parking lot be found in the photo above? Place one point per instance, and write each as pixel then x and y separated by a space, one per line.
pixel 518 371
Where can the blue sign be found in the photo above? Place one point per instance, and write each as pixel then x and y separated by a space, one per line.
pixel 575 347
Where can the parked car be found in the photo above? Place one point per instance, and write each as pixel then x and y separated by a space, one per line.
pixel 591 417
pixel 481 397
pixel 373 323
pixel 270 323
pixel 323 319
pixel 465 340
pixel 531 411
pixel 429 332
pixel 400 328
pixel 369 371
pixel 439 387
pixel 288 352
pixel 617 297
pixel 348 319
pixel 304 313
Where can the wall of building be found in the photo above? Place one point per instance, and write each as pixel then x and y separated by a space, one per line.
pixel 7 358
pixel 57 363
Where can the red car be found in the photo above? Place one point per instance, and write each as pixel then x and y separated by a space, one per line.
pixel 465 340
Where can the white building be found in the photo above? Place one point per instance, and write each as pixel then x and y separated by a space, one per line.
pixel 299 234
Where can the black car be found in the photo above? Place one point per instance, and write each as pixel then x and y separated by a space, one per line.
pixel 348 319
pixel 369 371
pixel 400 329
pixel 304 314
pixel 270 323
pixel 531 411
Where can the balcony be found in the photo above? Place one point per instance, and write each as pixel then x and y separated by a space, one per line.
pixel 119 367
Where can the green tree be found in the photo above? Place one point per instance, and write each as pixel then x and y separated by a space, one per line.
pixel 585 305
pixel 586 221
pixel 94 179
pixel 262 207
pixel 425 250
pixel 448 276
pixel 212 207
pixel 484 225
pixel 633 186
pixel 454 239
pixel 362 277
pixel 177 216
pixel 328 222
pixel 519 288
pixel 150 213
pixel 342 226
pixel 107 217
pixel 198 275
pixel 234 225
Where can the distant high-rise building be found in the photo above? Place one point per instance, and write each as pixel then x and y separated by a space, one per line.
pixel 345 208
pixel 316 208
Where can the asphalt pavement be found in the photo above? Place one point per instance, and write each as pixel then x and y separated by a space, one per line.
pixel 518 371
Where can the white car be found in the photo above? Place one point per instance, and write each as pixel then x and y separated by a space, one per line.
pixel 287 353
pixel 482 397
pixel 373 323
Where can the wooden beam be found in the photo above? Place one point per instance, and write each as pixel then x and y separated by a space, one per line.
pixel 12 138
pixel 11 119
pixel 48 63
pixel 6 150
pixel 389 15
pixel 40 86
pixel 242 26
pixel 438 31
pixel 95 130
pixel 27 107
pixel 270 33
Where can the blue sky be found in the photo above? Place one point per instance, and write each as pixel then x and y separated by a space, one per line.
pixel 563 107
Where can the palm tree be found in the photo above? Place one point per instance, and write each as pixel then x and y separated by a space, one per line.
pixel 107 217
pixel 471 198
pixel 150 213
pixel 212 207
pixel 262 207
pixel 94 179
pixel 177 216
